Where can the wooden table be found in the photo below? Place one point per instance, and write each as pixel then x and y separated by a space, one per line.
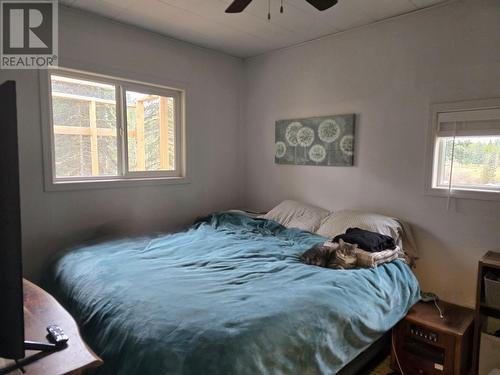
pixel 41 310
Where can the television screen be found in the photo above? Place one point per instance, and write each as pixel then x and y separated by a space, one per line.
pixel 11 281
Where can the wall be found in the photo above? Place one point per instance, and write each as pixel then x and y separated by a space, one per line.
pixel 54 220
pixel 388 74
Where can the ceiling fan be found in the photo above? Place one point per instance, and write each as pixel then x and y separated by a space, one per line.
pixel 237 6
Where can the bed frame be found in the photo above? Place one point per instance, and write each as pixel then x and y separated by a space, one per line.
pixel 369 358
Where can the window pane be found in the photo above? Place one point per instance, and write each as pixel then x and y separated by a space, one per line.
pixel 73 155
pixel 68 112
pixel 105 115
pixel 476 162
pixel 84 125
pixel 151 137
pixel 107 151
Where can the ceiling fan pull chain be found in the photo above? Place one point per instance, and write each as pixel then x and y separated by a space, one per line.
pixel 281 8
pixel 269 10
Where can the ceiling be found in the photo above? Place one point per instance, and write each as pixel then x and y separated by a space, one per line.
pixel 204 23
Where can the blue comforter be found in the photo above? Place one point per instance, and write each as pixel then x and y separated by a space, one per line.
pixel 228 296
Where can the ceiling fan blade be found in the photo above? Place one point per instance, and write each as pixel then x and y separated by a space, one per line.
pixel 238 6
pixel 322 4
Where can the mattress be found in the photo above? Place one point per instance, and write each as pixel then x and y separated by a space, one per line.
pixel 227 296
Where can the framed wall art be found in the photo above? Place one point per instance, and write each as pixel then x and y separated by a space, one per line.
pixel 322 141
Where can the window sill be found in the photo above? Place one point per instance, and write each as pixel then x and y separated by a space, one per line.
pixel 113 183
pixel 487 195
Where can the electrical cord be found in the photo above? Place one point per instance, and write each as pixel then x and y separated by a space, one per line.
pixel 428 297
pixel 437 307
pixel 396 354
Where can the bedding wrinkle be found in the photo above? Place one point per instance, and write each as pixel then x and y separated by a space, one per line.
pixel 227 296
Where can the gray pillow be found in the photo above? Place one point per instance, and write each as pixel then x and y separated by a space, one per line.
pixel 293 214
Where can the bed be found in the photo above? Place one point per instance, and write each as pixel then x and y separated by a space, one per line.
pixel 227 296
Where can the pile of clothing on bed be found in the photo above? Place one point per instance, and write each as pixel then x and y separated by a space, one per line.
pixel 357 239
pixel 356 248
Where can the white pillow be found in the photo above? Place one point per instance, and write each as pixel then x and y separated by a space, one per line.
pixel 338 222
pixel 294 214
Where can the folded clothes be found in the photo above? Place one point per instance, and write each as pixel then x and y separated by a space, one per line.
pixel 367 259
pixel 366 240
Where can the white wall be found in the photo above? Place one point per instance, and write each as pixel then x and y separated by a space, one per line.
pixel 388 74
pixel 54 220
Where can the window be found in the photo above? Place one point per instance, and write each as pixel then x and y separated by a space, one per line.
pixel 103 129
pixel 466 144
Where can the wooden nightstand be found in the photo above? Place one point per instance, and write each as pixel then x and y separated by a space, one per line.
pixel 427 344
pixel 40 310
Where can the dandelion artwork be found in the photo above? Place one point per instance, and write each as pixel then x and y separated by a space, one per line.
pixel 323 141
pixel 280 149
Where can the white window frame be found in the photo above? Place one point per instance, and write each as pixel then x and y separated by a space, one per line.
pixel 125 177
pixel 433 158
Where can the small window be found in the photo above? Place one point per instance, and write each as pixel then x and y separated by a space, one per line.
pixel 466 143
pixel 90 116
pixel 475 161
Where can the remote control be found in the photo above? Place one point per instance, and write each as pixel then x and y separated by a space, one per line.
pixel 57 335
